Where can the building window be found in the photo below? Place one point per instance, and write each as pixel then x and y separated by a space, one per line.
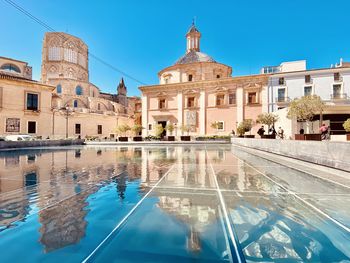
pixel 281 81
pixel 59 89
pixel 307 79
pixel 190 102
pixel 190 77
pixel 232 98
pixel 78 90
pixel 217 76
pixel 281 95
pixel 336 91
pixel 99 129
pixel 220 125
pixel 307 90
pixel 220 100
pixel 75 104
pixel 337 76
pixel 252 98
pixel 77 128
pixel 32 127
pixel 32 101
pixel 10 68
pixel 98 106
pixel 55 53
pixel 161 104
pixel 149 127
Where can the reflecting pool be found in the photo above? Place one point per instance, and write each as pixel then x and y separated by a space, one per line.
pixel 167 204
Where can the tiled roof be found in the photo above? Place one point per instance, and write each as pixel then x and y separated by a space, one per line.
pixel 7 75
pixel 194 56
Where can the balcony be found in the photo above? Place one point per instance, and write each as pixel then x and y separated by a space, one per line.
pixel 339 96
pixel 282 100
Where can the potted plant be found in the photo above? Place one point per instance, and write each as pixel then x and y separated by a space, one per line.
pixel 186 128
pixel 170 128
pixel 123 129
pixel 240 131
pixel 346 126
pixel 245 126
pixel 304 109
pixel 137 128
pixel 158 131
pixel 268 119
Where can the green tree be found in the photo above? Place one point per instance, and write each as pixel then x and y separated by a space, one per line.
pixel 305 108
pixel 123 129
pixel 244 126
pixel 136 129
pixel 346 125
pixel 170 128
pixel 158 130
pixel 186 128
pixel 267 119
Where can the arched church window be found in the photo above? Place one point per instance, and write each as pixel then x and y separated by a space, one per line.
pixel 190 77
pixel 59 89
pixel 98 106
pixel 75 104
pixel 78 90
pixel 11 68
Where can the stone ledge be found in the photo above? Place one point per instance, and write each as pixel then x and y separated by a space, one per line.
pixel 38 143
pixel 327 153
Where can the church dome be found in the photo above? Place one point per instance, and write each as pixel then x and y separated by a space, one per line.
pixel 194 56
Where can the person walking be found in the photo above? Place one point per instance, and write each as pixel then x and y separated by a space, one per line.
pixel 324 132
pixel 261 131
pixel 280 133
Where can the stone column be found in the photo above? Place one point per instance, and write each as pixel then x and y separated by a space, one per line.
pixel 240 104
pixel 144 115
pixel 179 110
pixel 202 117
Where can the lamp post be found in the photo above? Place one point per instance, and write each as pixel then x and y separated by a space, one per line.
pixel 68 112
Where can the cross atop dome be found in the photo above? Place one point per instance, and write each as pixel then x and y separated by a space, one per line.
pixel 193 38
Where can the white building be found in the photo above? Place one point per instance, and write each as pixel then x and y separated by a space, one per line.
pixel 292 80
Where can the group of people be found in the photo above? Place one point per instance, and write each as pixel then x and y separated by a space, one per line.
pixel 272 131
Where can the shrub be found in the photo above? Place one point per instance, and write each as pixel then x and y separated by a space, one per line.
pixel 158 130
pixel 137 128
pixel 346 125
pixel 123 129
pixel 170 128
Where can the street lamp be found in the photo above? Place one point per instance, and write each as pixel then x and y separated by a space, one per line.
pixel 68 112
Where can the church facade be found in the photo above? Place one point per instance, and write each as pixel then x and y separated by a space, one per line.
pixel 89 111
pixel 197 91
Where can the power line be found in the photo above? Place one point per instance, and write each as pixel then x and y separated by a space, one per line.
pixel 49 28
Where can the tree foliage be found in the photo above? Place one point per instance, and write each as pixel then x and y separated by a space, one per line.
pixel 137 128
pixel 170 127
pixel 158 130
pixel 346 125
pixel 305 108
pixel 215 125
pixel 123 129
pixel 186 128
pixel 244 126
pixel 267 119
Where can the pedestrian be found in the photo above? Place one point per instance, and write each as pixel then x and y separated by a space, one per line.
pixel 273 131
pixel 280 133
pixel 261 131
pixel 324 131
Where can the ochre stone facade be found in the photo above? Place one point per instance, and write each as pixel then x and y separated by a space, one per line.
pixel 67 105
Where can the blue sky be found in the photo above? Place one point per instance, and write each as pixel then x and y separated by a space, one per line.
pixel 142 37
